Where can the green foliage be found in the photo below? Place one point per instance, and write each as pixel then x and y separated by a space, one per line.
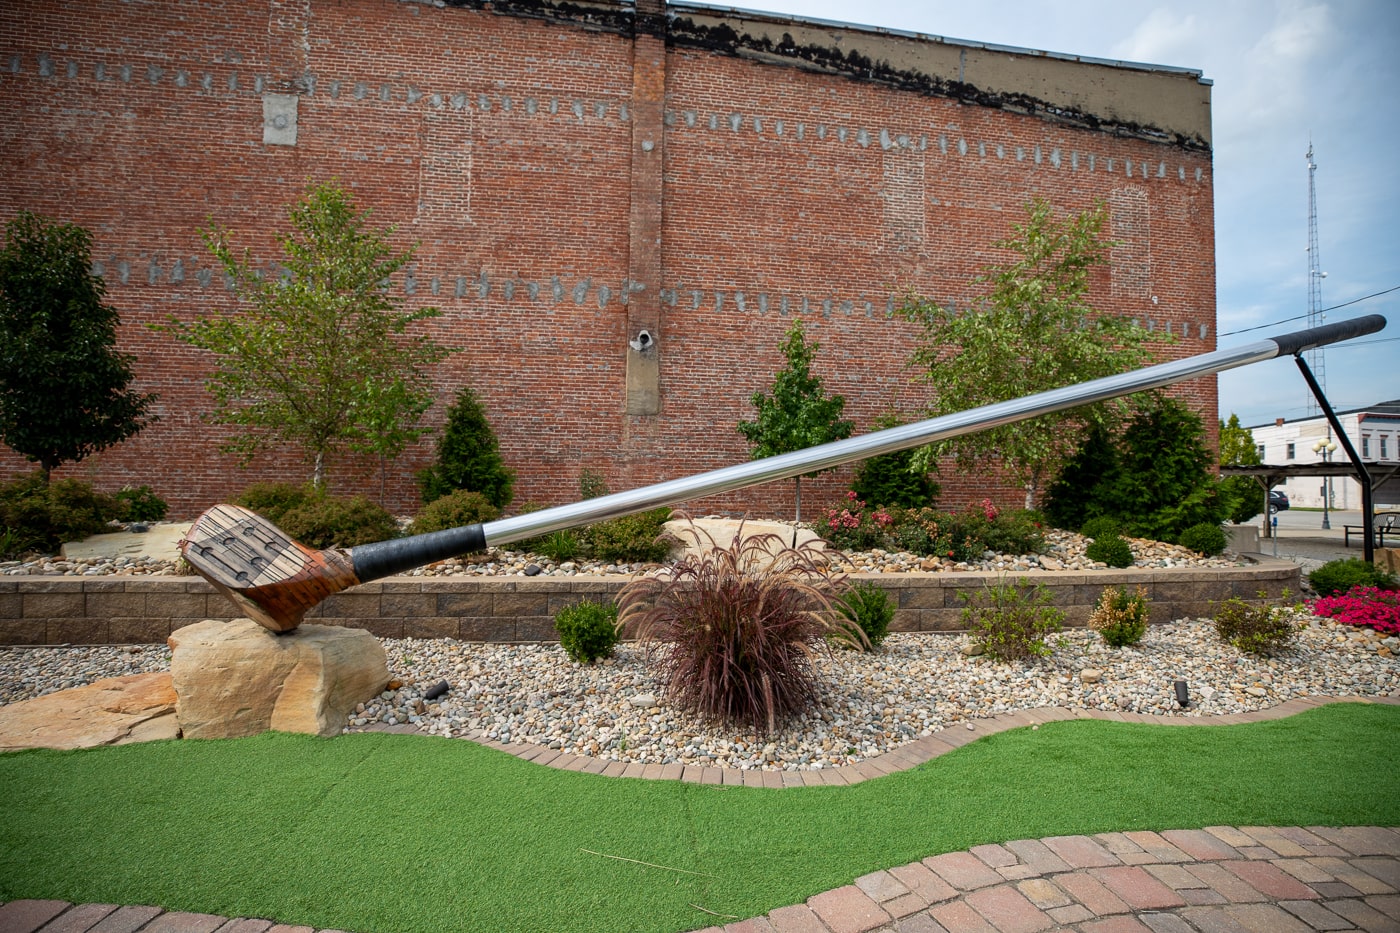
pixel 65 391
pixel 892 480
pixel 1338 576
pixel 1120 617
pixel 468 456
pixel 1155 480
pixel 1011 622
pixel 798 414
pixel 639 538
pixel 1101 527
pixel 320 356
pixel 1111 550
pixel 463 507
pixel 958 536
pixel 1245 495
pixel 558 546
pixel 1254 629
pixel 1205 539
pixel 591 484
pixel 870 608
pixel 1031 330
pixel 1237 447
pixel 325 521
pixel 738 626
pixel 587 630
pixel 41 516
pixel 1073 499
pixel 274 500
pixel 140 504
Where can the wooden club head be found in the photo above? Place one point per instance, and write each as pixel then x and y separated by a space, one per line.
pixel 270 577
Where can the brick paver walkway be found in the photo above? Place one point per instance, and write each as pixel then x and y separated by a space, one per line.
pixel 1221 879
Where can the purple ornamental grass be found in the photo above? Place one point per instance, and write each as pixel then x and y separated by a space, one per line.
pixel 732 631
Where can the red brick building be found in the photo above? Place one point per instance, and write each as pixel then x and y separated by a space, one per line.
pixel 576 173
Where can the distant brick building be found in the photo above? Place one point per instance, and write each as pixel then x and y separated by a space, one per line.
pixel 576 173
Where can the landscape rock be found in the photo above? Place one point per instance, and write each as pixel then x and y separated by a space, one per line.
pixel 1090 675
pixel 114 711
pixel 238 678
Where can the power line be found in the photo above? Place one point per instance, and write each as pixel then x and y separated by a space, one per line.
pixel 1301 316
pixel 1363 343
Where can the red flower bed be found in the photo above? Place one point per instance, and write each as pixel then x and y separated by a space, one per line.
pixel 1363 605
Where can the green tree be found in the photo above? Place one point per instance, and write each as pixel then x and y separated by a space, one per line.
pixel 468 456
pixel 892 480
pixel 799 413
pixel 1237 448
pixel 1031 330
pixel 65 391
pixel 319 356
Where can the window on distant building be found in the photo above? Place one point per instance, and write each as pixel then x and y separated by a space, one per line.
pixel 1385 454
pixel 1290 450
pixel 1260 449
pixel 1365 445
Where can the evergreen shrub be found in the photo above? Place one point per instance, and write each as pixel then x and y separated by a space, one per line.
pixel 1111 550
pixel 1102 526
pixel 869 607
pixel 42 516
pixel 639 538
pixel 468 457
pixel 462 507
pixel 1120 617
pixel 325 521
pixel 140 504
pixel 1205 539
pixel 587 630
pixel 1338 576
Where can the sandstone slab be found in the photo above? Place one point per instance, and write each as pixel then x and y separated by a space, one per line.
pixel 115 711
pixel 237 678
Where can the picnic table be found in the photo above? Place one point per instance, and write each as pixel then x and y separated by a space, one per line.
pixel 1384 523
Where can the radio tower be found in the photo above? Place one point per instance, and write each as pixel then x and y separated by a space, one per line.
pixel 1316 361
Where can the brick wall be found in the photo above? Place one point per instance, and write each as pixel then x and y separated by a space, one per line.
pixel 567 183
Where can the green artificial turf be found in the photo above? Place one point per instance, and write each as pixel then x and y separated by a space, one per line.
pixel 376 833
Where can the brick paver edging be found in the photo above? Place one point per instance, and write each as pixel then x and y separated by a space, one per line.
pixel 955 735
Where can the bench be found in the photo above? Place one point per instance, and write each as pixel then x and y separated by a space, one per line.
pixel 1384 523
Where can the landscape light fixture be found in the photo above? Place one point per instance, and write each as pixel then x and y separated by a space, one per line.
pixel 1183 697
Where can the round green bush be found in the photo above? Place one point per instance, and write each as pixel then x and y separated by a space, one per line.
pixel 869 607
pixel 1338 576
pixel 1204 538
pixel 140 504
pixel 1254 628
pixel 41 516
pixel 1111 550
pixel 1102 526
pixel 274 500
pixel 1120 617
pixel 587 630
pixel 639 538
pixel 328 521
pixel 454 510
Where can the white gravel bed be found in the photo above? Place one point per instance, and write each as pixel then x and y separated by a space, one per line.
pixel 871 703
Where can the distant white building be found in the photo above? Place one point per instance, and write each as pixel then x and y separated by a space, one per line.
pixel 1374 431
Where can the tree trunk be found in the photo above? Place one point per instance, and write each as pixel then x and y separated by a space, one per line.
pixel 318 472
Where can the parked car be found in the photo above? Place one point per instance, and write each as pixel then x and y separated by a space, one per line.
pixel 1278 501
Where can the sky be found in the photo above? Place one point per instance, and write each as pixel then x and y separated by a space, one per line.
pixel 1285 74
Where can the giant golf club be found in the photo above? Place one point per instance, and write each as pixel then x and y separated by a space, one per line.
pixel 275 580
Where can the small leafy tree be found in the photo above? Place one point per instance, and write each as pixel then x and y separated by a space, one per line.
pixel 1237 448
pixel 1031 330
pixel 799 414
pixel 320 356
pixel 468 456
pixel 65 391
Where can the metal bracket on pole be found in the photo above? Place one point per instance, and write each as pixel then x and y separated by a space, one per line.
pixel 1367 522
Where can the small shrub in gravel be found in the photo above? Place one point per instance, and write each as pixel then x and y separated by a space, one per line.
pixel 274 500
pixel 1254 629
pixel 140 504
pixel 869 607
pixel 329 521
pixel 558 546
pixel 1101 527
pixel 639 538
pixel 1120 617
pixel 1339 576
pixel 454 510
pixel 587 630
pixel 733 630
pixel 41 516
pixel 1111 550
pixel 1205 539
pixel 1011 622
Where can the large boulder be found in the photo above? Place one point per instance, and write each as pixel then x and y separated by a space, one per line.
pixel 238 678
pixel 115 711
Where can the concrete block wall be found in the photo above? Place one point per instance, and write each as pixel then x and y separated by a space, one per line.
pixel 571 176
pixel 135 610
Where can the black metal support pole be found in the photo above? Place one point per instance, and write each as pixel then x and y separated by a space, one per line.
pixel 1361 472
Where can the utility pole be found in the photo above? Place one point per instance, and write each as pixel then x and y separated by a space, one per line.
pixel 1316 358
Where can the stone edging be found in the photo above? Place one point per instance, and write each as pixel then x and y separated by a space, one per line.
pixel 147 609
pixel 921 750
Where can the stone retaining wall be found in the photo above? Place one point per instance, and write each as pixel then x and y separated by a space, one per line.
pixel 145 610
